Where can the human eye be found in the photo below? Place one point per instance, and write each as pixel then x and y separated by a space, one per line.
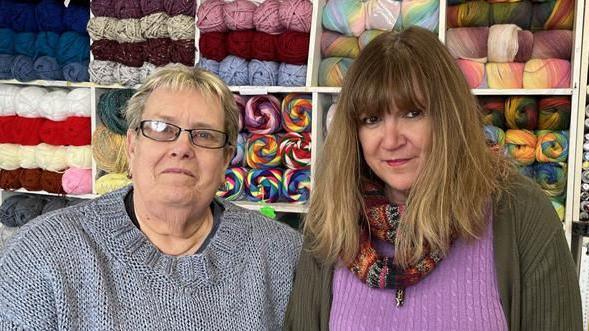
pixel 413 113
pixel 203 135
pixel 370 119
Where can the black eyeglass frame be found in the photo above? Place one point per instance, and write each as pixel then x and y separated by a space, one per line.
pixel 179 131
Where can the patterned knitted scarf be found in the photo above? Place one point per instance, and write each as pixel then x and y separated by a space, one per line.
pixel 380 271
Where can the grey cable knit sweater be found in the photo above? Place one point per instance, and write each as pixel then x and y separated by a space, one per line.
pixel 88 267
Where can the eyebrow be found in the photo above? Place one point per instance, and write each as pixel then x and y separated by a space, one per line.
pixel 196 125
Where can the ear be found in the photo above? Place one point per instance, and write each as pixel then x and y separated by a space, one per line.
pixel 131 141
pixel 229 151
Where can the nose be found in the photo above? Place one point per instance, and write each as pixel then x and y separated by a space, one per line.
pixel 393 133
pixel 182 147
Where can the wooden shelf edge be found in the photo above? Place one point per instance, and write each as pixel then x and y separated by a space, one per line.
pixel 81 196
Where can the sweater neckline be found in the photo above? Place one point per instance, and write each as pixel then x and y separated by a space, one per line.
pixel 127 244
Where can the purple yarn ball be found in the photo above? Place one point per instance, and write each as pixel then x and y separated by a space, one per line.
pixel 267 18
pixel 239 15
pixel 210 16
pixel 295 15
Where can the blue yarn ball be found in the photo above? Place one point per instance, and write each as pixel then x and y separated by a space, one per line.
pixel 233 70
pixel 47 67
pixel 7 215
pixel 6 62
pixel 73 47
pixel 7 41
pixel 6 14
pixel 27 209
pixel 76 17
pixel 23 17
pixel 292 75
pixel 47 43
pixel 76 72
pixel 50 16
pixel 210 65
pixel 528 171
pixel 263 73
pixel 22 69
pixel 24 44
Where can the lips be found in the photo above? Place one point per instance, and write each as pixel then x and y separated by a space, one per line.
pixel 180 171
pixel 397 162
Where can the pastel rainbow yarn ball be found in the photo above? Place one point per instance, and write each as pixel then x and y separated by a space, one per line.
pixel 264 184
pixel 345 16
pixel 552 146
pixel 295 150
pixel 262 151
pixel 234 184
pixel 520 145
pixel 238 157
pixel 296 185
pixel 296 112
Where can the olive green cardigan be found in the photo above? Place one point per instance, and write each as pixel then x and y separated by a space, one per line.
pixel 538 286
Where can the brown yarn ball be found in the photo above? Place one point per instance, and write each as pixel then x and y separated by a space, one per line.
pixel 30 179
pixel 10 179
pixel 51 182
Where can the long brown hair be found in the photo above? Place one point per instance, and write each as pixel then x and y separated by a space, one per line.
pixel 410 70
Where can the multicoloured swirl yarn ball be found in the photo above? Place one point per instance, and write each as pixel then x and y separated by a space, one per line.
pixel 234 183
pixel 552 146
pixel 296 112
pixel 296 185
pixel 263 114
pixel 262 151
pixel 295 150
pixel 264 184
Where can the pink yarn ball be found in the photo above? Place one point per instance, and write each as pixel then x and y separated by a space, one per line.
pixel 267 18
pixel 77 181
pixel 239 15
pixel 295 15
pixel 210 16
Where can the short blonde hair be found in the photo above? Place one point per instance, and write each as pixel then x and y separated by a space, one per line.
pixel 406 70
pixel 180 77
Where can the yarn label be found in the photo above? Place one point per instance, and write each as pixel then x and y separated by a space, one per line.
pixel 253 90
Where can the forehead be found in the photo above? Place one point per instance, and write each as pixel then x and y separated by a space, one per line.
pixel 185 105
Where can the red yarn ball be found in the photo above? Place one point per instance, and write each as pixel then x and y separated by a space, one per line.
pixel 131 54
pixel 7 129
pixel 264 47
pixel 157 51
pixel 213 45
pixel 183 51
pixel 51 182
pixel 293 47
pixel 27 130
pixel 30 179
pixel 10 179
pixel 75 131
pixel 239 43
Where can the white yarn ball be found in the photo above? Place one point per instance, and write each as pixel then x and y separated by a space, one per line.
pixel 7 96
pixel 9 156
pixel 101 72
pixel 79 156
pixel 53 106
pixel 28 99
pixel 28 158
pixel 79 102
pixel 50 157
pixel 329 116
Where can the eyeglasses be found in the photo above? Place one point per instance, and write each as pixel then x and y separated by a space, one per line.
pixel 162 131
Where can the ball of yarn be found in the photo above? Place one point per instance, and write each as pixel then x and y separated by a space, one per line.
pixel 111 109
pixel 155 25
pixel 469 14
pixel 9 179
pixel 329 116
pixel 238 157
pixel 76 72
pixel 78 157
pixel 474 73
pixel 30 179
pixel 503 42
pixel 103 7
pixel 183 51
pixel 149 7
pixel 495 136
pixel 297 112
pixel 267 17
pixel 552 15
pixel 293 47
pixel 292 75
pixel 46 43
pixel 77 181
pixel 27 157
pixel 210 16
pixel 493 109
pixel 22 69
pixel 262 114
pixel 181 27
pixel 521 112
pixel 73 131
pixel 105 50
pixel 210 65
pixel 262 151
pixel 75 17
pixel 553 44
pixel 423 13
pixel 367 36
pixel 263 184
pixel 133 54
pixel 103 28
pixel 54 203
pixel 158 51
pixel 559 208
pixel 335 44
pixel 264 47
pixel 239 14
pixel 263 73
pixel 128 76
pixel 54 106
pixel 7 41
pixel 7 209
pixel 111 182
pixel 27 209
pixel 46 67
pixel 51 158
pixel 101 72
pixel 233 71
pixel 547 73
pixel 109 150
pixel 233 187
pixel 24 44
pixel 24 18
pixel 26 130
pixel 554 113
pixel 517 13
pixel 180 7
pixel 525 42
pixel 520 145
pixel 8 95
pixel 296 185
pixel 127 9
pixel 8 130
pixel 468 43
pixel 552 146
pixel 73 47
pixel 295 150
pixel 6 14
pixel 6 66
pixel 505 75
pixel 239 43
pixel 332 70
pixel 295 15
pixel 130 30
pixel 9 156
pixel 345 17
pixel 213 45
pixel 27 101
pixel 79 102
pixel 551 177
pixel 51 182
pixel 383 15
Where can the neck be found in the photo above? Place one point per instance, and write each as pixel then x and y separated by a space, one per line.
pixel 174 231
pixel 395 196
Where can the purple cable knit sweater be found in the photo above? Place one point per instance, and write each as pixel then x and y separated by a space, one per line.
pixel 460 294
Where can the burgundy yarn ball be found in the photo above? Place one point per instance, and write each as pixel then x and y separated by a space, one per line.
pixel 10 179
pixel 213 45
pixel 30 179
pixel 127 9
pixel 105 50
pixel 183 51
pixel 180 7
pixel 157 51
pixel 525 41
pixel 51 182
pixel 239 15
pixel 295 15
pixel 267 17
pixel 149 7
pixel 131 54
pixel 102 8
pixel 210 16
pixel 264 47
pixel 293 47
pixel 239 43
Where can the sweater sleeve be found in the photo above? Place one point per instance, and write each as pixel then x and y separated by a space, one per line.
pixel 26 295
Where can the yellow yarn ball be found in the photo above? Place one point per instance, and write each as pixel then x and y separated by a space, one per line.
pixel 109 150
pixel 111 182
